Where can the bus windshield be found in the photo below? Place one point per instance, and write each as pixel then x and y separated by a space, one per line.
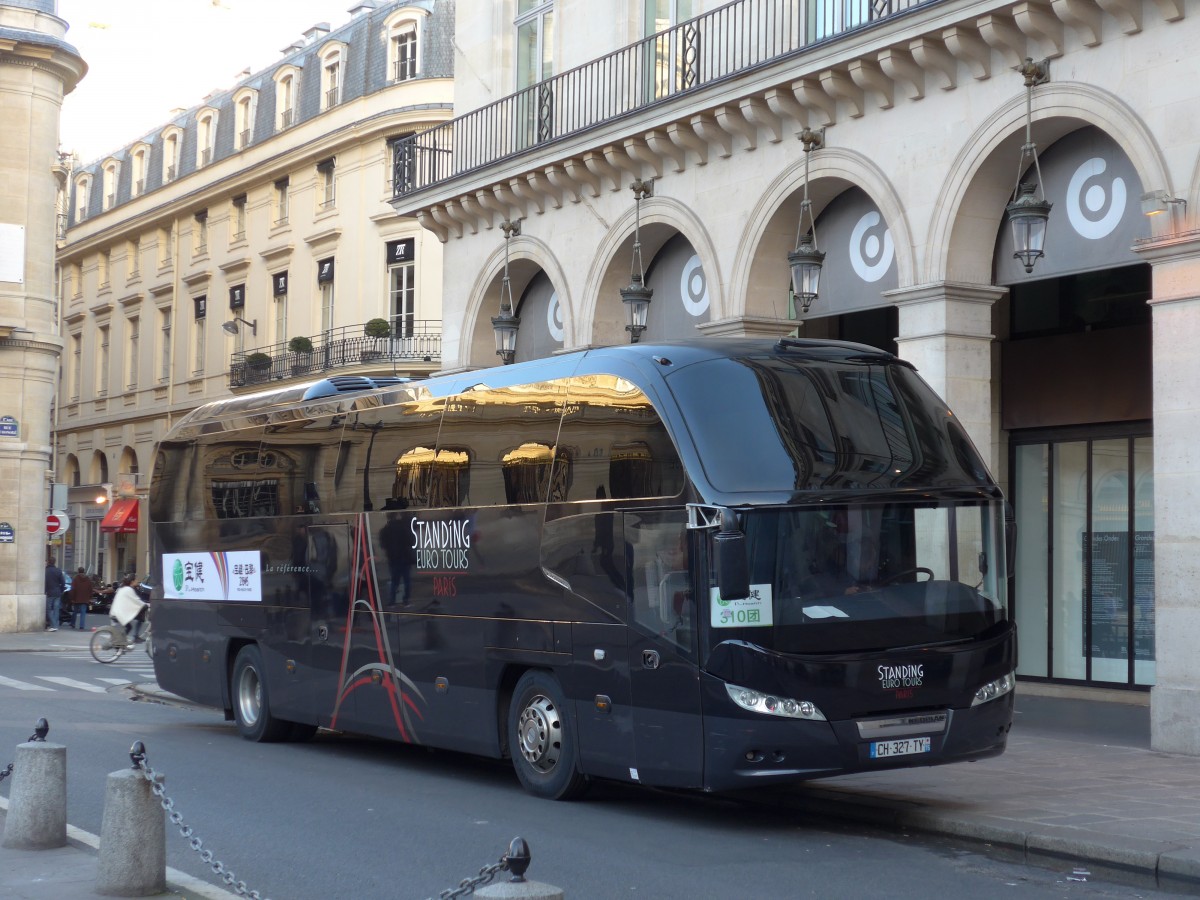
pixel 872 576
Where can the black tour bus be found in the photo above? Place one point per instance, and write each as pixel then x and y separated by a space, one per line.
pixel 710 564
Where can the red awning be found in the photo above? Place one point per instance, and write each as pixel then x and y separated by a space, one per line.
pixel 122 517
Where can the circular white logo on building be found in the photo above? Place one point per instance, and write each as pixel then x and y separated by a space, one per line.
pixel 871 249
pixel 1094 205
pixel 693 287
pixel 554 320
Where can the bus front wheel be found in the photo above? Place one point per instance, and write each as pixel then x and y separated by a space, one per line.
pixel 541 739
pixel 251 700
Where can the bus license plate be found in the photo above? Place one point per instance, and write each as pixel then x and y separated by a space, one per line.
pixel 902 747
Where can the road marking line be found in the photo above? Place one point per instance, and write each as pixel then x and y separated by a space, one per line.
pixel 116 680
pixel 72 683
pixel 22 685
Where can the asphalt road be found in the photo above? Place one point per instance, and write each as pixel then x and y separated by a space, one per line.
pixel 345 817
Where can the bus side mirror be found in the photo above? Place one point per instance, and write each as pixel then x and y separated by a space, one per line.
pixel 729 548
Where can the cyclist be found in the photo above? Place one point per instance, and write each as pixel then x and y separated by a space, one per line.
pixel 129 609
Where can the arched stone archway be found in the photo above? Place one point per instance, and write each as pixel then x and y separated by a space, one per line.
pixel 760 275
pixel 662 218
pixel 527 257
pixel 980 181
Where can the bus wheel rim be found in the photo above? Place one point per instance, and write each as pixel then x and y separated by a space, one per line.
pixel 249 696
pixel 539 734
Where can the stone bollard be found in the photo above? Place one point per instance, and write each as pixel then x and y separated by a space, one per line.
pixel 518 859
pixel 37 806
pixel 526 890
pixel 133 838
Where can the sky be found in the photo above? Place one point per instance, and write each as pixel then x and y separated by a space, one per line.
pixel 147 57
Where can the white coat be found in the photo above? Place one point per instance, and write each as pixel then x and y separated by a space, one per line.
pixel 126 605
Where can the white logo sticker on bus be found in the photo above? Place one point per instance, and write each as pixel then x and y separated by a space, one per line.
pixel 750 612
pixel 235 575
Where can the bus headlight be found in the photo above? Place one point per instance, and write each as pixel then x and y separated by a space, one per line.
pixel 994 689
pixel 769 704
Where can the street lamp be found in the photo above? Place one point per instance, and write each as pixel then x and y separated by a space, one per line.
pixel 637 296
pixel 232 327
pixel 805 261
pixel 506 324
pixel 1028 211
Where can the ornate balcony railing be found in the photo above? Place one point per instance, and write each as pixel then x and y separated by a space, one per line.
pixel 719 45
pixel 347 347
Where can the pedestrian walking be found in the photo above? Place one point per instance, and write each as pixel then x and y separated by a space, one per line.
pixel 56 583
pixel 81 596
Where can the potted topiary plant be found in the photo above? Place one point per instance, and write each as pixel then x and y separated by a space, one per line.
pixel 376 330
pixel 258 366
pixel 301 347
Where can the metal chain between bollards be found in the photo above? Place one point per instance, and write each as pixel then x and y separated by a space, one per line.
pixel 40 730
pixel 138 754
pixel 516 860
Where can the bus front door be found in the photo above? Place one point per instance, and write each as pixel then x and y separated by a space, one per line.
pixel 667 722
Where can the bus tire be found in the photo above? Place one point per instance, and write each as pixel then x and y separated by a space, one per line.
pixel 541 739
pixel 252 701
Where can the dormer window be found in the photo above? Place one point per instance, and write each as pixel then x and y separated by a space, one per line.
pixel 172 141
pixel 245 105
pixel 287 84
pixel 112 172
pixel 141 154
pixel 206 136
pixel 333 55
pixel 403 31
pixel 83 192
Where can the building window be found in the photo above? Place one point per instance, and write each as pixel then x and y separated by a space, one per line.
pixel 325 285
pixel 201 233
pixel 172 139
pixel 403 33
pixel 279 290
pixel 286 84
pixel 83 190
pixel 332 57
pixel 535 64
pixel 134 255
pixel 206 137
pixel 246 103
pixel 76 366
pixel 238 218
pixel 403 168
pixel 112 172
pixel 102 364
pixel 104 266
pixel 198 335
pixel 166 245
pixel 131 381
pixel 76 281
pixel 281 201
pixel 325 184
pixel 164 349
pixel 535 38
pixel 139 171
pixel 402 286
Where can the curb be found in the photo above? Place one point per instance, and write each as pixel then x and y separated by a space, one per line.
pixel 1123 860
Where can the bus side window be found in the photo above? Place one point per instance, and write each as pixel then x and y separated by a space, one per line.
pixel 616 442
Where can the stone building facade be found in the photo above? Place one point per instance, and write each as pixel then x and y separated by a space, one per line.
pixel 1075 378
pixel 246 243
pixel 37 68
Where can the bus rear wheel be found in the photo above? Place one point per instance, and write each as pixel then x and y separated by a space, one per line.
pixel 252 701
pixel 541 739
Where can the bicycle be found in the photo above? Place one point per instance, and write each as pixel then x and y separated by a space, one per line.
pixel 110 642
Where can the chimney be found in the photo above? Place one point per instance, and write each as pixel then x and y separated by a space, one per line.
pixel 361 7
pixel 292 47
pixel 317 32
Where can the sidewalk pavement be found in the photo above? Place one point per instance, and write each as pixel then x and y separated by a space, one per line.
pixel 1078 789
